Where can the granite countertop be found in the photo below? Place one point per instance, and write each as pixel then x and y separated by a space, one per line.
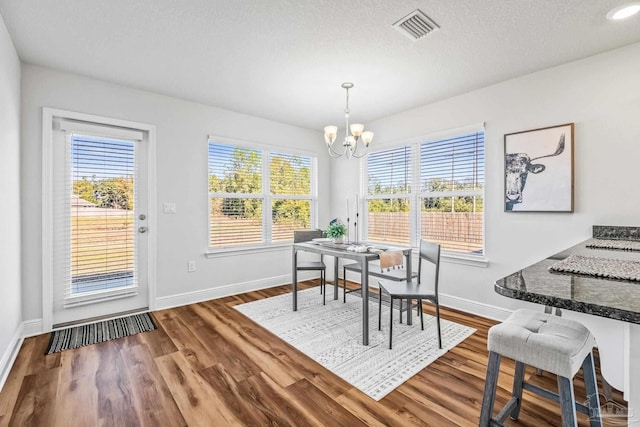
pixel 615 299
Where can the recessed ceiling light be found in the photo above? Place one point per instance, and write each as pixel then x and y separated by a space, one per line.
pixel 623 11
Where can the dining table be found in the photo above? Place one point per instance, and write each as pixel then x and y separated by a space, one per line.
pixel 596 282
pixel 363 254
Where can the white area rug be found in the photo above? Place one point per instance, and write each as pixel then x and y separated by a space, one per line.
pixel 332 336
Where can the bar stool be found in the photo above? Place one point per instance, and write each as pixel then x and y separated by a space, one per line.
pixel 550 343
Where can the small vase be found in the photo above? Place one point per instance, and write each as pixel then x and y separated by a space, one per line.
pixel 338 240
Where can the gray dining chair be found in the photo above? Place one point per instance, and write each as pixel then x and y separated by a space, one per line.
pixel 300 236
pixel 413 290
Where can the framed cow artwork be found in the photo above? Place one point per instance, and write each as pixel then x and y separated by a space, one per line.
pixel 538 170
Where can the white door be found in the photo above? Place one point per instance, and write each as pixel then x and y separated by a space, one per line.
pixel 99 220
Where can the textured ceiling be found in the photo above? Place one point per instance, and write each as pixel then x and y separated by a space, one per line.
pixel 285 59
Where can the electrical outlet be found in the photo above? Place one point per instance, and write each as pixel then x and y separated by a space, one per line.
pixel 169 208
pixel 191 266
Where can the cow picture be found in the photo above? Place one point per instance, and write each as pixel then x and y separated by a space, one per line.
pixel 539 170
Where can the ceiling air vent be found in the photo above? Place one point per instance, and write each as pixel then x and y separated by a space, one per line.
pixel 415 25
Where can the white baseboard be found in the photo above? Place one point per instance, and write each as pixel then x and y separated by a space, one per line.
pixel 227 290
pixel 474 307
pixel 9 356
pixel 32 328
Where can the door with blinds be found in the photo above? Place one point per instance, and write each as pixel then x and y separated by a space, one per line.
pixel 99 221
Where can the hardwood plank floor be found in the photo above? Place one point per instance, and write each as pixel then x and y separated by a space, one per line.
pixel 208 365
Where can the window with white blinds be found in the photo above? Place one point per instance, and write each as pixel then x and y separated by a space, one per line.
pixel 388 202
pixel 102 234
pixel 256 196
pixel 429 190
pixel 452 188
pixel 290 183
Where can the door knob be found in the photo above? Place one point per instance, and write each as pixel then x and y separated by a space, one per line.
pixel 142 230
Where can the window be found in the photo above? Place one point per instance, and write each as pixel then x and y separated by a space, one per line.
pixel 389 190
pixel 257 197
pixel 429 190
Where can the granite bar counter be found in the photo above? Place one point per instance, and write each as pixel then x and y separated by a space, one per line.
pixel 599 298
pixel 614 299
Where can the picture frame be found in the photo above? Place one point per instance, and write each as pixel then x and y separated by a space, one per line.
pixel 539 170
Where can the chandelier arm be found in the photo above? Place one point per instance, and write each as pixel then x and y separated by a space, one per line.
pixel 333 153
pixel 364 153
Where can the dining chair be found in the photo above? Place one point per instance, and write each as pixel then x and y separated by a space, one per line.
pixel 413 290
pixel 300 236
pixel 397 274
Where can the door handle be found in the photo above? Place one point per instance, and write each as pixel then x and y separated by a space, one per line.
pixel 142 230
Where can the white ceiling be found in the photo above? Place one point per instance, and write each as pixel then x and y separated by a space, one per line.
pixel 285 59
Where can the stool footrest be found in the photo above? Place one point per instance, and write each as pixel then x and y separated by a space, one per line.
pixel 551 396
pixel 506 410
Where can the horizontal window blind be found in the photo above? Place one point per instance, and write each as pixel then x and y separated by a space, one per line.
pixel 451 164
pixel 234 173
pixel 452 180
pixel 289 215
pixel 389 171
pixel 454 222
pixel 235 221
pixel 389 221
pixel 234 169
pixel 290 174
pixel 98 211
pixel 248 187
pixel 441 201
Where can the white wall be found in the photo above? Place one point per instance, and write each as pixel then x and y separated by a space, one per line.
pixel 601 95
pixel 182 128
pixel 11 299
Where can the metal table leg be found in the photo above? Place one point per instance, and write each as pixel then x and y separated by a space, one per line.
pixel 294 279
pixel 335 277
pixel 364 280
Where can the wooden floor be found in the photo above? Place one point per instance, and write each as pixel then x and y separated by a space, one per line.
pixel 208 365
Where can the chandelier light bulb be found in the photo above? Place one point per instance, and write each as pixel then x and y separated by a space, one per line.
pixel 367 137
pixel 330 134
pixel 357 129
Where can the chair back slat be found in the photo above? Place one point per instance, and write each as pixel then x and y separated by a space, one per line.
pixel 300 236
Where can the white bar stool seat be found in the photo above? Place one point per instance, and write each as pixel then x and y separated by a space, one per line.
pixel 551 343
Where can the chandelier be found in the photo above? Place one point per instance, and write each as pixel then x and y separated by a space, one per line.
pixel 350 144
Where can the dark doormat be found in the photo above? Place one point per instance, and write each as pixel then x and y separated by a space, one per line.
pixel 80 336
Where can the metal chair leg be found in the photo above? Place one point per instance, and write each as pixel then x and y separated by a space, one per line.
pixel 421 314
pixel 438 324
pixel 391 320
pixel 379 309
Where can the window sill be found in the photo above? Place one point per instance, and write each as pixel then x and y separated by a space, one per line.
pixel 245 250
pixel 470 260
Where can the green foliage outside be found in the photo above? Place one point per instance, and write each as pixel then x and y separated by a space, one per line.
pixel 433 204
pixel 244 175
pixel 114 193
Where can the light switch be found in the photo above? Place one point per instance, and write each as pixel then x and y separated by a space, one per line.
pixel 169 208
